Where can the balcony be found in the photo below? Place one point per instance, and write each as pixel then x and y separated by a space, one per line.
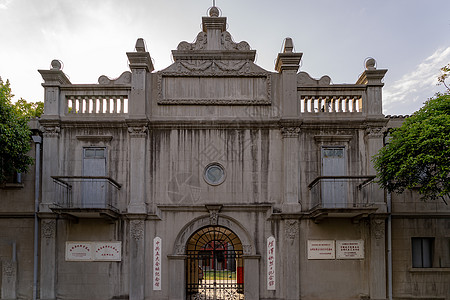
pixel 342 197
pixel 86 197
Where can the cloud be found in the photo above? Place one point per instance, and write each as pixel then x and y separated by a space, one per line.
pixel 5 3
pixel 409 92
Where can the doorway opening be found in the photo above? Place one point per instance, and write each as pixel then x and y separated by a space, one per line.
pixel 214 265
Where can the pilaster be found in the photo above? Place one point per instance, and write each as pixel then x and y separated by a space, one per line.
pixel 137 258
pixel 50 161
pixel 48 259
pixel 251 277
pixel 291 274
pixel 138 135
pixel 177 290
pixel 291 174
pixel 377 275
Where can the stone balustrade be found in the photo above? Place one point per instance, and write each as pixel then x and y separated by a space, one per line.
pixel 331 104
pixel 98 105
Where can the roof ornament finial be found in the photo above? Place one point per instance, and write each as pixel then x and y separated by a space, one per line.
pixel 214 10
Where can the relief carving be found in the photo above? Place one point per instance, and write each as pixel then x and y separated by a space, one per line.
pixel 180 249
pixel 375 132
pixel 199 44
pixel 9 269
pixel 378 228
pixel 229 44
pixel 247 249
pixel 48 229
pixel 137 230
pixel 51 131
pixel 291 230
pixel 290 132
pixel 198 65
pixel 138 132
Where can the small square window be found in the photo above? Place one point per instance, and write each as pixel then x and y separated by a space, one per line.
pixel 422 252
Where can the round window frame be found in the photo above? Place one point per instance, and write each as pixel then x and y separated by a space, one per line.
pixel 222 179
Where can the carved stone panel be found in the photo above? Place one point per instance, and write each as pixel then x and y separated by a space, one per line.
pixel 48 230
pixel 137 229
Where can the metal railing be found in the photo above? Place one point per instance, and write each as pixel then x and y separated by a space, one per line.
pixel 86 192
pixel 342 191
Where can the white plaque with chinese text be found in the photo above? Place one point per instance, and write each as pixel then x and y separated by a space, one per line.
pixel 93 251
pixel 350 249
pixel 321 249
pixel 78 251
pixel 108 251
pixel 157 246
pixel 271 263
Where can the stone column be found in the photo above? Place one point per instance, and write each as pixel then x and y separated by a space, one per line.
pixel 177 280
pixel 48 259
pixel 377 274
pixel 291 253
pixel 137 259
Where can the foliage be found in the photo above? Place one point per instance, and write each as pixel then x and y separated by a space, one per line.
pixel 418 154
pixel 445 74
pixel 29 109
pixel 14 136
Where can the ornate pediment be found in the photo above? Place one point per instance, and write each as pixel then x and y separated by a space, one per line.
pixel 214 70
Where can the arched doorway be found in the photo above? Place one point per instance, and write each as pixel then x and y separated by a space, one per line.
pixel 214 265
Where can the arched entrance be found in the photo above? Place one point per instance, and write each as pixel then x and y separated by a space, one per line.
pixel 214 265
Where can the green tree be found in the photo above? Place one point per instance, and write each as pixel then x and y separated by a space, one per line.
pixel 29 109
pixel 418 153
pixel 14 136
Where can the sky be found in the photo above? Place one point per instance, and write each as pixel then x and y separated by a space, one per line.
pixel 410 38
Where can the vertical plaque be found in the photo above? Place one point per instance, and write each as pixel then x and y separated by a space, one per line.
pixel 157 246
pixel 271 263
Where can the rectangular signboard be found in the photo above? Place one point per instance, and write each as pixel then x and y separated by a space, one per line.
pixel 351 249
pixel 321 249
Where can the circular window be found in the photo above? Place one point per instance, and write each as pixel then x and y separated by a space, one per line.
pixel 214 174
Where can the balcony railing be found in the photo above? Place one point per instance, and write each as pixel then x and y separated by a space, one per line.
pixel 342 192
pixel 86 192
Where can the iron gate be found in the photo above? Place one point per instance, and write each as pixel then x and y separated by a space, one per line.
pixel 214 267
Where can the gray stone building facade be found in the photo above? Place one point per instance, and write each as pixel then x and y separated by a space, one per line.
pixel 216 179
